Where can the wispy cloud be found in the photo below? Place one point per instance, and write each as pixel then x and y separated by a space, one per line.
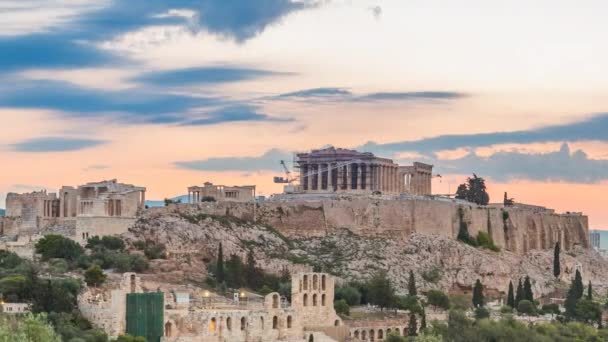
pixel 592 128
pixel 203 75
pixel 344 94
pixel 267 161
pixel 55 144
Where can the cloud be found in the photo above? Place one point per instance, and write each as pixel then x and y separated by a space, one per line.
pixel 55 144
pixel 343 94
pixel 592 128
pixel 234 113
pixel 203 75
pixel 561 165
pixel 268 161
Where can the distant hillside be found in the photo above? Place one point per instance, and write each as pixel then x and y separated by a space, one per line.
pixel 155 203
pixel 2 212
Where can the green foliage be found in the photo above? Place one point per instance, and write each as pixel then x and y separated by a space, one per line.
pixel 556 263
pixel 528 295
pixel 208 199
pixel 169 201
pixel 587 311
pixel 481 313
pixel 575 293
pixel 393 337
pixel 74 327
pixel 474 190
pixel 519 295
pixel 341 307
pixel 526 307
pixel 511 296
pixel 551 309
pixel 411 284
pixel 484 240
pixel 438 299
pixel 460 302
pixel 506 309
pixel 478 298
pixel 219 266
pixel 589 291
pixel 57 246
pixel 381 291
pixel 463 230
pixel 350 294
pixel 94 276
pixel 433 275
pixel 108 242
pixel 27 328
pixel 409 303
pixel 412 328
pixel 235 272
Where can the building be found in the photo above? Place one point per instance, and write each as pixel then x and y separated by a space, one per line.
pixel 595 239
pixel 211 192
pixel 340 170
pixel 15 308
pixel 97 208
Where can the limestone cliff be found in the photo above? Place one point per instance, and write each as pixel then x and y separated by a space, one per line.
pixel 517 229
pixel 439 261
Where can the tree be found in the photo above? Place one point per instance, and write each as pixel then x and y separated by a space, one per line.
pixel 411 284
pixel 478 300
pixel 588 311
pixel 28 328
pixel 481 313
pixel 412 329
pixel 510 296
pixel 423 320
pixel 381 291
pixel 341 307
pixel 94 276
pixel 438 299
pixel 556 263
pixel 589 291
pixel 252 274
pixel 57 246
pixel 474 190
pixel 219 270
pixel 129 338
pixel 519 294
pixel 528 295
pixel 575 293
pixel 350 294
pixel 235 272
pixel 526 307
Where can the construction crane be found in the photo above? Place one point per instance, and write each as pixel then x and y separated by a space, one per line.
pixel 287 179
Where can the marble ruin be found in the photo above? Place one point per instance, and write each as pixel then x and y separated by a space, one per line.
pixel 341 170
pixel 193 315
pixel 212 192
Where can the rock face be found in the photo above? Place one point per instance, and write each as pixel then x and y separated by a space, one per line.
pixel 517 229
pixel 192 237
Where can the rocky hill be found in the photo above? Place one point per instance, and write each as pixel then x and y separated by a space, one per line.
pixel 439 262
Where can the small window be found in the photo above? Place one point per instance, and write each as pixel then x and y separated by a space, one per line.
pixel 314 300
pixel 275 322
pixel 305 299
pixel 323 300
pixel 288 322
pixel 229 323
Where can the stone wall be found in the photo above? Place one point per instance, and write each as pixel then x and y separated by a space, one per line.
pixel 517 229
pixel 101 226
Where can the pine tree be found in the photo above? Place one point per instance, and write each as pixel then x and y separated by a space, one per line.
pixel 519 294
pixel 528 295
pixel 220 276
pixel 575 293
pixel 589 291
pixel 556 264
pixel 478 300
pixel 510 296
pixel 412 329
pixel 411 284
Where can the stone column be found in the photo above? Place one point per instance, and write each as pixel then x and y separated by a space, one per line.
pixel 330 181
pixel 320 177
pixel 310 174
pixel 359 176
pixel 349 171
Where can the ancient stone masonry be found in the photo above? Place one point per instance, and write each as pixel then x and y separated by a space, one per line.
pixel 194 315
pixel 210 191
pixel 98 208
pixel 341 170
pixel 519 229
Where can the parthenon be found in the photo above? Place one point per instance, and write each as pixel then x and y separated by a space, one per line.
pixel 341 170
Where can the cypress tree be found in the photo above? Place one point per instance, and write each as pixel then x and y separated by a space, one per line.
pixel 528 295
pixel 219 270
pixel 411 284
pixel 556 264
pixel 510 296
pixel 519 294
pixel 575 293
pixel 412 329
pixel 423 320
pixel 589 291
pixel 251 271
pixel 478 300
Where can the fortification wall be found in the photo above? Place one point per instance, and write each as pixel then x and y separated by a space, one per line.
pixel 517 229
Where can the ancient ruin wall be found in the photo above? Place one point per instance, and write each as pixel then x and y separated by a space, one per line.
pixel 512 228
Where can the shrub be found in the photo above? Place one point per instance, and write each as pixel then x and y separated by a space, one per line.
pixel 484 240
pixel 551 309
pixel 94 276
pixel 526 307
pixel 57 246
pixel 433 275
pixel 460 302
pixel 350 294
pixel 438 299
pixel 341 307
pixel 481 313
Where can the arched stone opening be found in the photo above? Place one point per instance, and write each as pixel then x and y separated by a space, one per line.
pixel 243 323
pixel 323 283
pixel 305 299
pixel 315 280
pixel 168 329
pixel 133 283
pixel 380 334
pixel 337 323
pixel 356 333
pixel 262 322
pixel 229 324
pixel 323 300
pixel 372 335
pixel 289 322
pixel 275 322
pixel 364 335
pixel 314 299
pixel 213 325
pixel 305 282
pixel 275 301
pixel 311 338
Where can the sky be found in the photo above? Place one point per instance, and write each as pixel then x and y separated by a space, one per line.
pixel 169 94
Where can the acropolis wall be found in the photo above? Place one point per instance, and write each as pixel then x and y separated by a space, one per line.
pixel 512 228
